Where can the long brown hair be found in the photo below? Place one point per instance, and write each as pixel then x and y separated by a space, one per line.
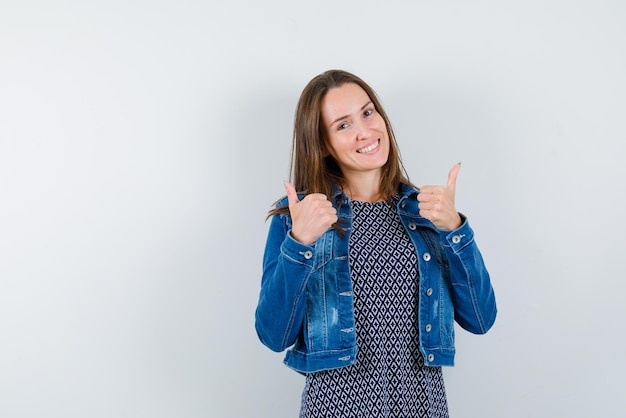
pixel 313 170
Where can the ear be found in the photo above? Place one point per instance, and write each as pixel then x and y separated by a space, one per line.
pixel 325 152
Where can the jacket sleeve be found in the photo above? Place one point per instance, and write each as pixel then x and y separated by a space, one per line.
pixel 472 294
pixel 287 264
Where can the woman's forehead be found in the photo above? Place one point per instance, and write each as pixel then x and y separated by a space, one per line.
pixel 344 100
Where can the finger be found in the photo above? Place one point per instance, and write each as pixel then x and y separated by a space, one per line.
pixel 424 198
pixel 428 205
pixel 452 175
pixel 317 196
pixel 429 192
pixel 292 196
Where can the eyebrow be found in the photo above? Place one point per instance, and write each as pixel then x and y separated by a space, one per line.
pixel 346 116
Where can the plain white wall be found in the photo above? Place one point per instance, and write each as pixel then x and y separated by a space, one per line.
pixel 142 143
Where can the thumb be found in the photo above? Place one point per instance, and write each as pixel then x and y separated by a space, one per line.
pixel 452 175
pixel 292 196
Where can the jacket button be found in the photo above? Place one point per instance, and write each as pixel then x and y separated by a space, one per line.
pixel 403 203
pixel 426 257
pixel 456 239
pixel 429 291
pixel 431 357
pixel 428 328
pixel 308 254
pixel 412 226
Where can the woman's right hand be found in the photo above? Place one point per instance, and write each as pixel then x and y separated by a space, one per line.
pixel 311 216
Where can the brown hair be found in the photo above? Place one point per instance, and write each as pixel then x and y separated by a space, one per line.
pixel 313 170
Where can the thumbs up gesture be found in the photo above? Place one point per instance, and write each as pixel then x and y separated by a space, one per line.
pixel 436 203
pixel 311 216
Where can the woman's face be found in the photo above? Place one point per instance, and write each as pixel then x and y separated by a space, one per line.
pixel 356 135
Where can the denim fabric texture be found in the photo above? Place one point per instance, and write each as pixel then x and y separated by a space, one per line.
pixel 305 303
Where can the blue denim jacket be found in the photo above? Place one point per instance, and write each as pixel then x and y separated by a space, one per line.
pixel 306 291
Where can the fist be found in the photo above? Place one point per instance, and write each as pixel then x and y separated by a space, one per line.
pixel 436 203
pixel 311 216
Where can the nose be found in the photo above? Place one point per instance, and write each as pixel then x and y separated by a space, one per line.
pixel 362 132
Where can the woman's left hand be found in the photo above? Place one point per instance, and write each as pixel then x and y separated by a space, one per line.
pixel 436 203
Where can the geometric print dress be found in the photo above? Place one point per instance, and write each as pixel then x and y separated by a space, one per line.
pixel 389 378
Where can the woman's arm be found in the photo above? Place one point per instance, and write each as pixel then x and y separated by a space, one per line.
pixel 287 265
pixel 472 294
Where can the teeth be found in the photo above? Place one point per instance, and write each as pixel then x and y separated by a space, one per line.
pixel 370 148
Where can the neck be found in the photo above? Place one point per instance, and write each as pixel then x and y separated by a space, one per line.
pixel 365 188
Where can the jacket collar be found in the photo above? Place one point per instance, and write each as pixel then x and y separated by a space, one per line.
pixel 405 190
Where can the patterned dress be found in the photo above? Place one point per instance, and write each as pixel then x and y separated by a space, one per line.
pixel 389 378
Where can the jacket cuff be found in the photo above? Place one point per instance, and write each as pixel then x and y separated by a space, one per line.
pixel 298 252
pixel 460 237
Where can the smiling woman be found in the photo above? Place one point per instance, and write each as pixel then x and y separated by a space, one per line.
pixel 357 141
pixel 364 274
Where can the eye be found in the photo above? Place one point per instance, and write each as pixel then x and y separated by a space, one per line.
pixel 368 112
pixel 342 126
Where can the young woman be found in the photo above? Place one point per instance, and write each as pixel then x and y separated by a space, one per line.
pixel 363 273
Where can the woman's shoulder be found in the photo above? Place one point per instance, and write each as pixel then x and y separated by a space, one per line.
pixel 408 189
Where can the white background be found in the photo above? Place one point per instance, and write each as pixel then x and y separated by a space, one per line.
pixel 142 143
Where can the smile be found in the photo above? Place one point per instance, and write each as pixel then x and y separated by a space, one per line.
pixel 370 148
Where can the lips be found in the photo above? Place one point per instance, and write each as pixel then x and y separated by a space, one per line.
pixel 369 148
